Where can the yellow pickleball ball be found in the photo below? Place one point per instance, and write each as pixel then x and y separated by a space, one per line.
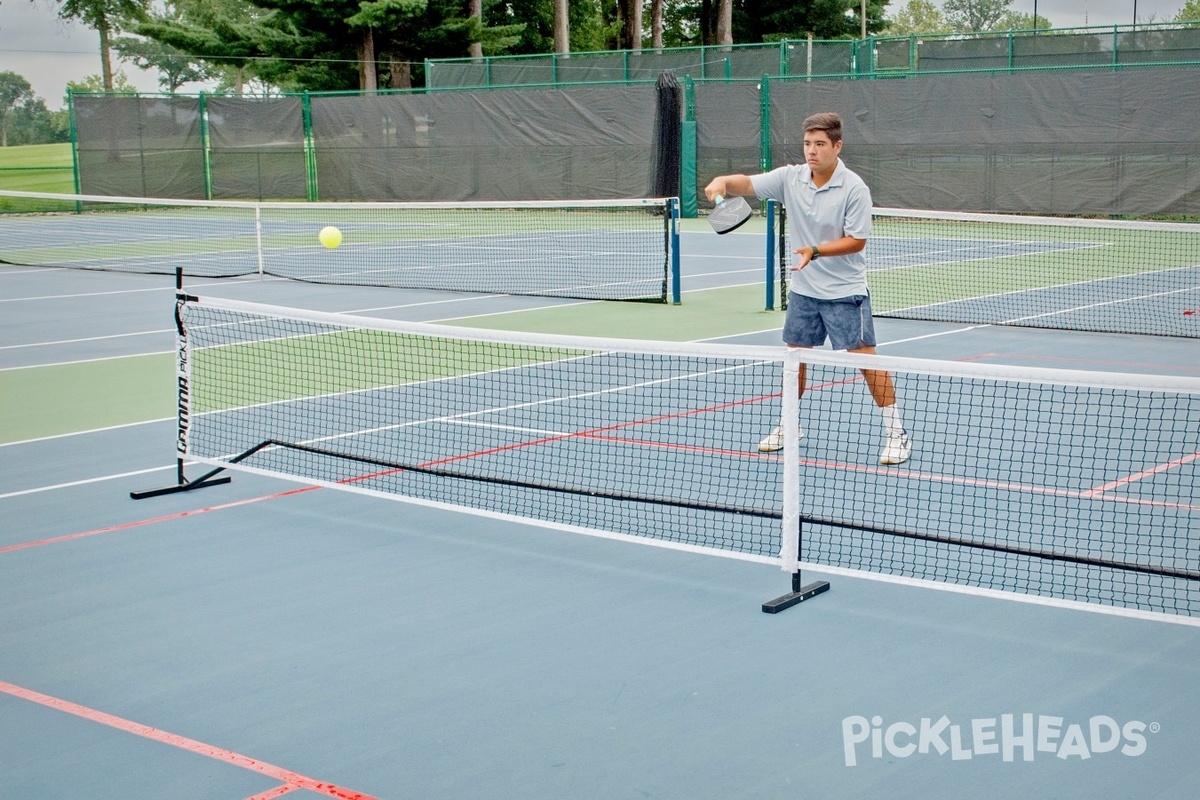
pixel 330 236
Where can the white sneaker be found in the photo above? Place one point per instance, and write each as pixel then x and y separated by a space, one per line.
pixel 897 450
pixel 773 441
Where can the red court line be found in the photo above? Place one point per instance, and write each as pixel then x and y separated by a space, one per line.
pixel 271 794
pixel 1098 493
pixel 689 448
pixel 1146 473
pixel 936 477
pixel 584 434
pixel 153 520
pixel 292 780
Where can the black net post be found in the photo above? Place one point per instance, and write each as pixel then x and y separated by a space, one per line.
pixel 666 164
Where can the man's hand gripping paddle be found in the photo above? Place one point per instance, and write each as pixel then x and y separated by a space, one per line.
pixel 730 214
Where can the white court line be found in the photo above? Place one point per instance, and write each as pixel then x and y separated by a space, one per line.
pixel 84 294
pixel 88 360
pixel 431 303
pixel 588 302
pixel 172 330
pixel 84 433
pixel 85 339
pixel 4 271
pixel 85 481
pixel 224 282
pixel 725 272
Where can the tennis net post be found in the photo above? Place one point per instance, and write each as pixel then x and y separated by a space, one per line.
pixel 183 410
pixel 791 524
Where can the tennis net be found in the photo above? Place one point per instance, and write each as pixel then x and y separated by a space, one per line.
pixel 1062 484
pixel 586 249
pixel 994 269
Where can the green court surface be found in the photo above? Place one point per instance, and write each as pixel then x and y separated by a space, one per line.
pixel 48 401
pixel 65 398
pixel 708 314
pixel 342 361
pixel 947 261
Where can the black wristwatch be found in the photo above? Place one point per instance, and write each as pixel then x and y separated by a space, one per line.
pixel 816 253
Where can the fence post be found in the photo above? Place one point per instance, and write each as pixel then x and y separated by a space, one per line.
pixel 74 142
pixel 205 147
pixel 689 200
pixel 310 149
pixel 764 128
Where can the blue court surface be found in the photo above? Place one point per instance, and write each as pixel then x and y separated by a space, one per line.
pixel 269 638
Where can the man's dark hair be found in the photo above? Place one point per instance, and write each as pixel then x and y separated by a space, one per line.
pixel 826 121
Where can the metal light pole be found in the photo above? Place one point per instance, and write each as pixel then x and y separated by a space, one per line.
pixel 863 19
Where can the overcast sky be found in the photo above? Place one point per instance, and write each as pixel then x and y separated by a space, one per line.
pixel 35 44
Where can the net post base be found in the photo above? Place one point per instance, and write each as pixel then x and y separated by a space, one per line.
pixel 798 595
pixel 184 485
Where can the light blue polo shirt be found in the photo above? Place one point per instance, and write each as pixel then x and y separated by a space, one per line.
pixel 842 207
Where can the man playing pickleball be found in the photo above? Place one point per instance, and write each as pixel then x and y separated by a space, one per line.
pixel 829 213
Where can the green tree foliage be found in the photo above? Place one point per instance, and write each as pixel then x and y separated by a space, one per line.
pixel 972 16
pixel 95 83
pixel 175 68
pixel 772 20
pixel 1014 21
pixel 15 93
pixel 1190 12
pixel 924 16
pixel 593 24
pixel 24 118
pixel 917 16
pixel 324 45
pixel 205 40
pixel 106 17
pixel 33 123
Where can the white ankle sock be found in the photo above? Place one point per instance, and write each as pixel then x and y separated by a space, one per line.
pixel 891 420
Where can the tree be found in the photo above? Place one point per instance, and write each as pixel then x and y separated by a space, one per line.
pixel 562 26
pixel 1014 21
pixel 106 18
pixel 724 32
pixel 33 123
pixel 918 16
pixel 475 12
pixel 95 83
pixel 630 14
pixel 972 16
pixel 175 68
pixel 15 93
pixel 219 39
pixel 772 20
pixel 385 17
pixel 592 24
pixel 656 24
pixel 1190 12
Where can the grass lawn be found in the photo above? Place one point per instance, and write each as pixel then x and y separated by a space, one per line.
pixel 37 168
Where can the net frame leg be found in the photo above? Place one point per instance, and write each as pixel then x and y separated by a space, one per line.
pixel 798 594
pixel 182 484
pixel 183 380
pixel 792 529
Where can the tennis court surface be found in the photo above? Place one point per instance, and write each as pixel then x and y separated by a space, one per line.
pixel 270 637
